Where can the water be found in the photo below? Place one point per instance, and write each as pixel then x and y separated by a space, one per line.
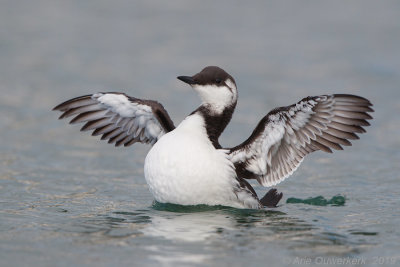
pixel 68 199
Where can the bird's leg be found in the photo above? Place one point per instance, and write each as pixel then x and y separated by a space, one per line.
pixel 271 198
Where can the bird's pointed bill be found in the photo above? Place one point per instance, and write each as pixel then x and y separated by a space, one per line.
pixel 187 79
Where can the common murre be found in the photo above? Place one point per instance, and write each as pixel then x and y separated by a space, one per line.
pixel 186 164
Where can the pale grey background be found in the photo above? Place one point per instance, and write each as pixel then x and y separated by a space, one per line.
pixel 69 199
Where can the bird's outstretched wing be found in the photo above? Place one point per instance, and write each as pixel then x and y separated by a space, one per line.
pixel 286 135
pixel 119 118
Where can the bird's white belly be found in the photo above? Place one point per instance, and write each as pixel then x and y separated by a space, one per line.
pixel 186 169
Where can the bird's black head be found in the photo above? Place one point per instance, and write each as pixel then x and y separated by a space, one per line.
pixel 215 86
pixel 210 75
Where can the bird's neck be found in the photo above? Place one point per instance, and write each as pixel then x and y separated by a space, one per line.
pixel 215 123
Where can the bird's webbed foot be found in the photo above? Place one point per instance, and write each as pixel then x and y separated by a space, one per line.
pixel 271 198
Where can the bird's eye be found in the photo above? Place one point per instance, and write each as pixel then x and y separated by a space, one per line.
pixel 217 80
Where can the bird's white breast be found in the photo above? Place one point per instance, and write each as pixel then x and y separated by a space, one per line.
pixel 183 167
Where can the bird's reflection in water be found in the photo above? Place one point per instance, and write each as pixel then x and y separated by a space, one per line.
pixel 205 223
pixel 188 223
pixel 193 223
pixel 222 227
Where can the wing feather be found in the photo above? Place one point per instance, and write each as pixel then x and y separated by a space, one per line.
pixel 286 135
pixel 119 118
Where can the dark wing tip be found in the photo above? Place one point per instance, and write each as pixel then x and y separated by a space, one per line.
pixel 353 98
pixel 60 107
pixel 74 102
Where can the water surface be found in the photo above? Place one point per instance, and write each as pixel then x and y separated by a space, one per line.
pixel 69 199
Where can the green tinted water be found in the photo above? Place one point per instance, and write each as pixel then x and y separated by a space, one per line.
pixel 319 201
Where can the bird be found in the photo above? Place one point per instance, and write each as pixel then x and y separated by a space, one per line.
pixel 186 164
